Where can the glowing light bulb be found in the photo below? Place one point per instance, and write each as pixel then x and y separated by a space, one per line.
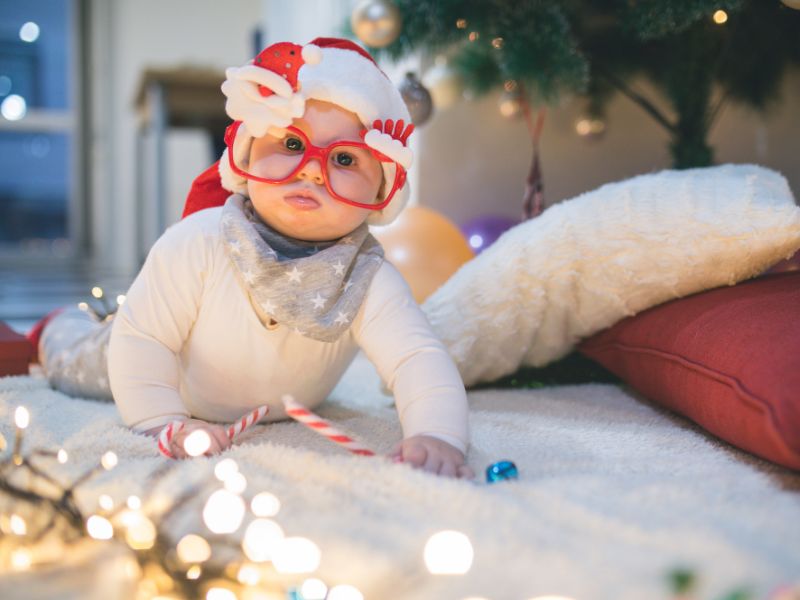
pixel 120 299
pixel 62 456
pixel 344 592
pixel 194 572
pixel 109 460
pixel 720 17
pixel 193 549
pixel 99 527
pixel 141 533
pixel 14 107
pixel 236 483
pixel 296 555
pixel 134 503
pixel 216 593
pixel 83 306
pixel 29 32
pixel 313 589
pixel 18 526
pixel 265 504
pixel 22 418
pixel 197 442
pixel 448 553
pixel 97 292
pixel 21 559
pixel 476 241
pixel 262 538
pixel 223 512
pixel 224 468
pixel 106 502
pixel 249 575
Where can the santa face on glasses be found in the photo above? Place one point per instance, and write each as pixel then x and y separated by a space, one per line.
pixel 303 206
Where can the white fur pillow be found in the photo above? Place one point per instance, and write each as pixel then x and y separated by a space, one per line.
pixel 588 262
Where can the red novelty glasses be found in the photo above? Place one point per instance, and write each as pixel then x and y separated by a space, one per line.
pixel 352 172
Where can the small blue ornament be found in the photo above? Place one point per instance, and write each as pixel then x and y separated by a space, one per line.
pixel 501 471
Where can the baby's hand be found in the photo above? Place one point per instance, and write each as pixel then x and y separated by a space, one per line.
pixel 217 433
pixel 433 455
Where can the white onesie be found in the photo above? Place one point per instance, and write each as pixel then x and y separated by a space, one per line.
pixel 189 342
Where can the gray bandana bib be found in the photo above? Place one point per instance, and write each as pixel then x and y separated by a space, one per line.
pixel 315 288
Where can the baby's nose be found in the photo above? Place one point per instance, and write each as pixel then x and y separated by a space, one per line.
pixel 312 170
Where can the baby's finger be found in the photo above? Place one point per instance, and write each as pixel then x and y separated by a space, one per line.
pixel 448 469
pixel 416 455
pixel 465 472
pixel 176 447
pixel 219 434
pixel 213 447
pixel 433 463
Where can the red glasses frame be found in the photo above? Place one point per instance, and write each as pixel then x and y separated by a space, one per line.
pixel 321 154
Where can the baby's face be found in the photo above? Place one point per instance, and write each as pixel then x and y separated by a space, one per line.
pixel 302 208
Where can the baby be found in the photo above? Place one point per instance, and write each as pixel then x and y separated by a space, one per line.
pixel 274 286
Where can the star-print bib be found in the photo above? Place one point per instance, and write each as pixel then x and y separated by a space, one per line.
pixel 315 288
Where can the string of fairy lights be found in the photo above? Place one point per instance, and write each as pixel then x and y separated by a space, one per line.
pixel 200 564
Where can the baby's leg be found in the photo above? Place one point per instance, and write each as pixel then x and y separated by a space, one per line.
pixel 73 353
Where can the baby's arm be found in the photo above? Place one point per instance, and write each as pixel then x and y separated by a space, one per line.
pixel 151 327
pixel 431 401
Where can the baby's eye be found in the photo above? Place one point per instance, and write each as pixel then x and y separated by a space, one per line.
pixel 293 143
pixel 344 159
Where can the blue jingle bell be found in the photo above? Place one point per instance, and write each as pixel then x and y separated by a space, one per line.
pixel 501 471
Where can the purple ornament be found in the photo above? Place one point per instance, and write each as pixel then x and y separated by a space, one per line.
pixel 482 231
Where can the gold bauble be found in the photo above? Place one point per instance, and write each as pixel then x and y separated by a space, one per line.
pixel 795 4
pixel 376 22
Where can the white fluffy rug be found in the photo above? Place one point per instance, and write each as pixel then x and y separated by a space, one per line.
pixel 613 493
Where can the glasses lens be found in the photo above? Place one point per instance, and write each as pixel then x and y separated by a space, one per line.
pixel 275 156
pixel 355 174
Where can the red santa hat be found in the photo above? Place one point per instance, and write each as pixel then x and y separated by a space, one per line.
pixel 272 90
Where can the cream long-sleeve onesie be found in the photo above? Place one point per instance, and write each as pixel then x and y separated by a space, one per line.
pixel 188 342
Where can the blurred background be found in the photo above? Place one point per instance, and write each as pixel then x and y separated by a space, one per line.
pixel 110 108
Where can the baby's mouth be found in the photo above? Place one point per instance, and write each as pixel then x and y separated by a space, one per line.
pixel 302 200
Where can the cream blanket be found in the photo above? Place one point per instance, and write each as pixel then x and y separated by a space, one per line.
pixel 613 493
pixel 590 261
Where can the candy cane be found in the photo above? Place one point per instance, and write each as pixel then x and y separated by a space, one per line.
pixel 300 413
pixel 165 437
pixel 233 431
pixel 247 421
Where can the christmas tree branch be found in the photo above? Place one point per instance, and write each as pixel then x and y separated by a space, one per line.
pixel 635 96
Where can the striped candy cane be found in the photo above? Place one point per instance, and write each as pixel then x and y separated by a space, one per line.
pixel 300 413
pixel 234 430
pixel 247 421
pixel 166 435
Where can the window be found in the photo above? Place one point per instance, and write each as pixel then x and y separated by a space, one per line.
pixel 40 212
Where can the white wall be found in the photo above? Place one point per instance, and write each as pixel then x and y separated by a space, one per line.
pixel 129 36
pixel 474 162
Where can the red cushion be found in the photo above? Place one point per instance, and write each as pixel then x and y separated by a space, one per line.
pixel 15 352
pixel 728 359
